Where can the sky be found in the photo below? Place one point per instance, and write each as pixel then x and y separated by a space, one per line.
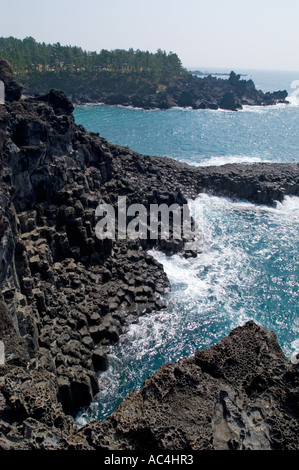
pixel 233 34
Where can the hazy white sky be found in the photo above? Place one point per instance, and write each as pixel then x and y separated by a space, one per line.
pixel 260 34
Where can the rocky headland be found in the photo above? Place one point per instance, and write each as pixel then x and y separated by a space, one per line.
pixel 66 295
pixel 208 92
pixel 128 78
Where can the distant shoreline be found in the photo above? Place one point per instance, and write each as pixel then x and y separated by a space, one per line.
pixel 199 73
pixel 208 92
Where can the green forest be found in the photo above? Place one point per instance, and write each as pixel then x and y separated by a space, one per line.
pixel 40 66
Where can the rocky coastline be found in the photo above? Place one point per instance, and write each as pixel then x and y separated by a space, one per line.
pixel 207 92
pixel 66 295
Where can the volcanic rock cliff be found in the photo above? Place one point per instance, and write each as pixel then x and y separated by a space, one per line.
pixel 65 294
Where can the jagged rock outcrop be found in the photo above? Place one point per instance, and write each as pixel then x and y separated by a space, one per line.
pixel 65 294
pixel 241 394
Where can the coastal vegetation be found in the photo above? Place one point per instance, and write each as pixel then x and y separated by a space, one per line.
pixel 125 77
pixel 39 66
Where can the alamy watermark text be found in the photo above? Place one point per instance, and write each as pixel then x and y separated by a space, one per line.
pixel 138 221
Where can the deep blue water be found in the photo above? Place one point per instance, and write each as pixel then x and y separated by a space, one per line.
pixel 249 268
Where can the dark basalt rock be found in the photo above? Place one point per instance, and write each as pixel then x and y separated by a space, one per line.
pixel 58 101
pixel 228 102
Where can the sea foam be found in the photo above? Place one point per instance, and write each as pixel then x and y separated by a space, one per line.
pixel 219 160
pixel 248 269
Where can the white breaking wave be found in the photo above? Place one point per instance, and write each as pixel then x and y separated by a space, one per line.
pixel 222 288
pixel 290 206
pixel 226 159
pixel 264 109
pixel 293 97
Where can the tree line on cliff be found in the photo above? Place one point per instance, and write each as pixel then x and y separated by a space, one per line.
pixel 128 78
pixel 40 66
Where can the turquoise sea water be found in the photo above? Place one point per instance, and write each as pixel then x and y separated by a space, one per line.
pixel 249 268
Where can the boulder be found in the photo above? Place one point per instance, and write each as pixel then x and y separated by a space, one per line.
pixel 241 394
pixel 229 102
pixel 59 101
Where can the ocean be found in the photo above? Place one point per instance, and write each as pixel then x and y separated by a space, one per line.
pixel 249 266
